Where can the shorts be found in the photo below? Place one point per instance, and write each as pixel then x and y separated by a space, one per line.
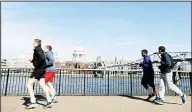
pixel 145 81
pixel 38 74
pixel 49 76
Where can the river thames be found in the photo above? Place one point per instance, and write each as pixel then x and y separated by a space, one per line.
pixel 71 85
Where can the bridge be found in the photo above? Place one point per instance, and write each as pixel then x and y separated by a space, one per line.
pixel 179 58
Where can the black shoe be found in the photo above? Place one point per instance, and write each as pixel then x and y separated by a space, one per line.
pixel 49 105
pixel 150 96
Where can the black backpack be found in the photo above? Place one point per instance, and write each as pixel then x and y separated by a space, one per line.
pixel 172 62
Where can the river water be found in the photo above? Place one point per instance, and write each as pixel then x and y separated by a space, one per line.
pixel 87 86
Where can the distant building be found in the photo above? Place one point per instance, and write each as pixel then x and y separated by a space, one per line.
pixel 3 63
pixel 79 54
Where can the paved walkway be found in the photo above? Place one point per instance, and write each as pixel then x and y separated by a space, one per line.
pixel 98 104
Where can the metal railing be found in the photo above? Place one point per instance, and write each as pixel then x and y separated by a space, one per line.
pixel 89 82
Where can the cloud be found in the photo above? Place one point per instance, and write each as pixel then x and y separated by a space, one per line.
pixel 105 22
pixel 130 41
pixel 17 39
pixel 18 35
pixel 131 46
pixel 124 44
pixel 176 47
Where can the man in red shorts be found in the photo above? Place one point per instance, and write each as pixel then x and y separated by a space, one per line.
pixel 50 71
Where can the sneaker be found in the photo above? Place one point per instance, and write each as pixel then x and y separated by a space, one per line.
pixel 55 100
pixel 49 105
pixel 184 99
pixel 32 105
pixel 53 96
pixel 150 96
pixel 159 101
pixel 155 99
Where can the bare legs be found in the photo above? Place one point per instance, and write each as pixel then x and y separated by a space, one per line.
pixel 41 82
pixel 44 87
pixel 50 88
pixel 29 86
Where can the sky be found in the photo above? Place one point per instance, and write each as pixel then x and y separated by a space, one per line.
pixel 106 29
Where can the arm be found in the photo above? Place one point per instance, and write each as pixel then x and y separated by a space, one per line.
pixel 32 59
pixel 167 61
pixel 50 59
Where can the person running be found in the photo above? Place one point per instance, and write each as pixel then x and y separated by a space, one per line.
pixel 38 74
pixel 50 72
pixel 166 77
pixel 148 75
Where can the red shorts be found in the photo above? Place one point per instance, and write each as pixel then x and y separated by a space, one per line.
pixel 49 76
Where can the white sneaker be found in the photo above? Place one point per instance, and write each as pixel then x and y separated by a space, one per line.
pixel 53 97
pixel 55 100
pixel 32 105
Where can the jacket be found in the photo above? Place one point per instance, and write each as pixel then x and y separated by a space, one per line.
pixel 50 62
pixel 39 58
pixel 147 66
pixel 165 66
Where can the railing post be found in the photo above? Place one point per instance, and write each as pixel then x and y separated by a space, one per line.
pixel 123 84
pixel 6 86
pixel 190 76
pixel 176 80
pixel 59 92
pixel 131 85
pixel 84 84
pixel 108 83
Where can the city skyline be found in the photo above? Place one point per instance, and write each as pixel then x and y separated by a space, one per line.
pixel 106 29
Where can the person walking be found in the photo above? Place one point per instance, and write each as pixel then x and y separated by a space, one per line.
pixel 38 74
pixel 50 71
pixel 166 77
pixel 148 75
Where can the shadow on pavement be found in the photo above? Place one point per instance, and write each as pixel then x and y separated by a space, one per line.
pixel 143 99
pixel 137 98
pixel 172 103
pixel 38 98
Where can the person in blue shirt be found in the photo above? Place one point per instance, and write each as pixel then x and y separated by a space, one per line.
pixel 50 71
pixel 148 75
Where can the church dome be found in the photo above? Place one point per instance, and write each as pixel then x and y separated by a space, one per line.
pixel 79 54
pixel 79 50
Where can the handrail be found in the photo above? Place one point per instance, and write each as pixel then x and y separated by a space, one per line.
pixel 127 70
pixel 70 81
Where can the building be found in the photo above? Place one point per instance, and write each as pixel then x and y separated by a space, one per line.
pixel 3 63
pixel 18 63
pixel 79 54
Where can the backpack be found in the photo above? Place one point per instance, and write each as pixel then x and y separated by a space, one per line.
pixel 172 62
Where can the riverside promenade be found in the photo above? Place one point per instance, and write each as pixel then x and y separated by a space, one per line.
pixel 97 104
